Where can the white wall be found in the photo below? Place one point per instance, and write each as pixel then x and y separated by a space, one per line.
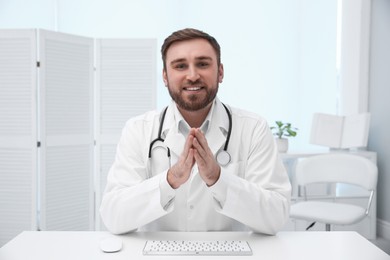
pixel 279 56
pixel 28 14
pixel 354 56
pixel 379 105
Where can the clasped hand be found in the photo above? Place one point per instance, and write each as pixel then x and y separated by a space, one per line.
pixel 196 149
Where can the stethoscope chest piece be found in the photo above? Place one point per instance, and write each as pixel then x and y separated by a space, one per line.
pixel 223 158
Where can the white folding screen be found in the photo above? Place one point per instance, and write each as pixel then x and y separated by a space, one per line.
pixel 66 129
pixel 18 133
pixel 53 186
pixel 126 87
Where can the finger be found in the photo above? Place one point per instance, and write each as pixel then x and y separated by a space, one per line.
pixel 199 148
pixel 209 173
pixel 187 161
pixel 190 160
pixel 199 135
pixel 199 159
pixel 192 131
pixel 188 145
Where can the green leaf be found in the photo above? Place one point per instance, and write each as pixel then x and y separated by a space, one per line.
pixel 283 129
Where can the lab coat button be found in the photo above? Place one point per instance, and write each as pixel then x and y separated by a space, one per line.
pixel 191 206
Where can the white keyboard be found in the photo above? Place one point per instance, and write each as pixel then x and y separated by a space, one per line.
pixel 187 247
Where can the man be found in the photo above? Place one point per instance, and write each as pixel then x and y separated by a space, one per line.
pixel 198 165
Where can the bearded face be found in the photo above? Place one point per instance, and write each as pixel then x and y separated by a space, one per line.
pixel 193 96
pixel 192 74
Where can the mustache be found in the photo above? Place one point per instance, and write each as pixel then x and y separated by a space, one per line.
pixel 197 83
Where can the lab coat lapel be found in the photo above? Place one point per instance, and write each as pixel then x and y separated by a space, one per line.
pixel 173 139
pixel 215 139
pixel 215 136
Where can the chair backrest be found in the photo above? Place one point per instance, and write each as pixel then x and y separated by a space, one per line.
pixel 337 168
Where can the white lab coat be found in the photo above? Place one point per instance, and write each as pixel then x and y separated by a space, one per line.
pixel 253 191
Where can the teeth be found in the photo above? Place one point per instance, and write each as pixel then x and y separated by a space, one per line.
pixel 193 88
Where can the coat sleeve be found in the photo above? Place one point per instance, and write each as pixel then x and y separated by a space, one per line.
pixel 130 199
pixel 260 196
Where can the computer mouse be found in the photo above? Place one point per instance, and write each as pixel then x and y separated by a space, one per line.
pixel 111 244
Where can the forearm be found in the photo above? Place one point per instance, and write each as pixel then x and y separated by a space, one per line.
pixel 263 210
pixel 124 209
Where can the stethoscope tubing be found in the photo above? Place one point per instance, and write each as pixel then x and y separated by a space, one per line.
pixel 159 137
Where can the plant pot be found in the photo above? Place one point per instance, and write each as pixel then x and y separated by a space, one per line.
pixel 282 144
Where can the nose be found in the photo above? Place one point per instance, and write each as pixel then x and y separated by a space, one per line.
pixel 193 74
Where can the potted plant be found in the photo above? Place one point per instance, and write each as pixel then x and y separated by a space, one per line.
pixel 282 130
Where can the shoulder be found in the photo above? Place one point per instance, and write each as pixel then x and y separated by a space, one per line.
pixel 244 117
pixel 251 127
pixel 142 122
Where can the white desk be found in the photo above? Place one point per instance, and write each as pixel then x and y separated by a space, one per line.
pixel 74 245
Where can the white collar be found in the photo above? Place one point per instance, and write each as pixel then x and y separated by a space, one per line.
pixel 216 113
pixel 218 125
pixel 182 125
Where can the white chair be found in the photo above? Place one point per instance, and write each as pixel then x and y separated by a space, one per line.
pixel 334 168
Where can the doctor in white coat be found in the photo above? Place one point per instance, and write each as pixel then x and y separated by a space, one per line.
pixel 198 165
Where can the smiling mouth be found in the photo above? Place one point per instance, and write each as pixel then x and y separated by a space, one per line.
pixel 193 88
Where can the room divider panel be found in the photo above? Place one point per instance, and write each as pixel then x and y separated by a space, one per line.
pixel 66 83
pixel 126 87
pixel 18 132
pixel 63 102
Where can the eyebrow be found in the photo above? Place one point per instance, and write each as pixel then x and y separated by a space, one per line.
pixel 204 58
pixel 200 58
pixel 178 60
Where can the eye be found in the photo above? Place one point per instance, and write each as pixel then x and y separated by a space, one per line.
pixel 203 64
pixel 180 66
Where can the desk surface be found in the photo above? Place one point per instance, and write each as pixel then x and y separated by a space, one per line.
pixel 74 245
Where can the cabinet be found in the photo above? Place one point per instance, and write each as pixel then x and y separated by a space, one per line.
pixel 347 193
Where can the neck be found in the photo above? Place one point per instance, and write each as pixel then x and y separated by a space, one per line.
pixel 195 118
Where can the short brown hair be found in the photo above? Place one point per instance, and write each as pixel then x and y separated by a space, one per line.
pixel 189 34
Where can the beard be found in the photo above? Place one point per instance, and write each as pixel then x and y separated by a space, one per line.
pixel 194 102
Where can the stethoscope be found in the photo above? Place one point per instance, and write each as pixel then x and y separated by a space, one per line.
pixel 223 157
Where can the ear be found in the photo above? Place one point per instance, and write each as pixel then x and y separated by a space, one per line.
pixel 165 77
pixel 220 73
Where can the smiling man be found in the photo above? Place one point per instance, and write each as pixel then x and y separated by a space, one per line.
pixel 197 165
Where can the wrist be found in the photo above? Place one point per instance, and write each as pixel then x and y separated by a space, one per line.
pixel 211 181
pixel 172 180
